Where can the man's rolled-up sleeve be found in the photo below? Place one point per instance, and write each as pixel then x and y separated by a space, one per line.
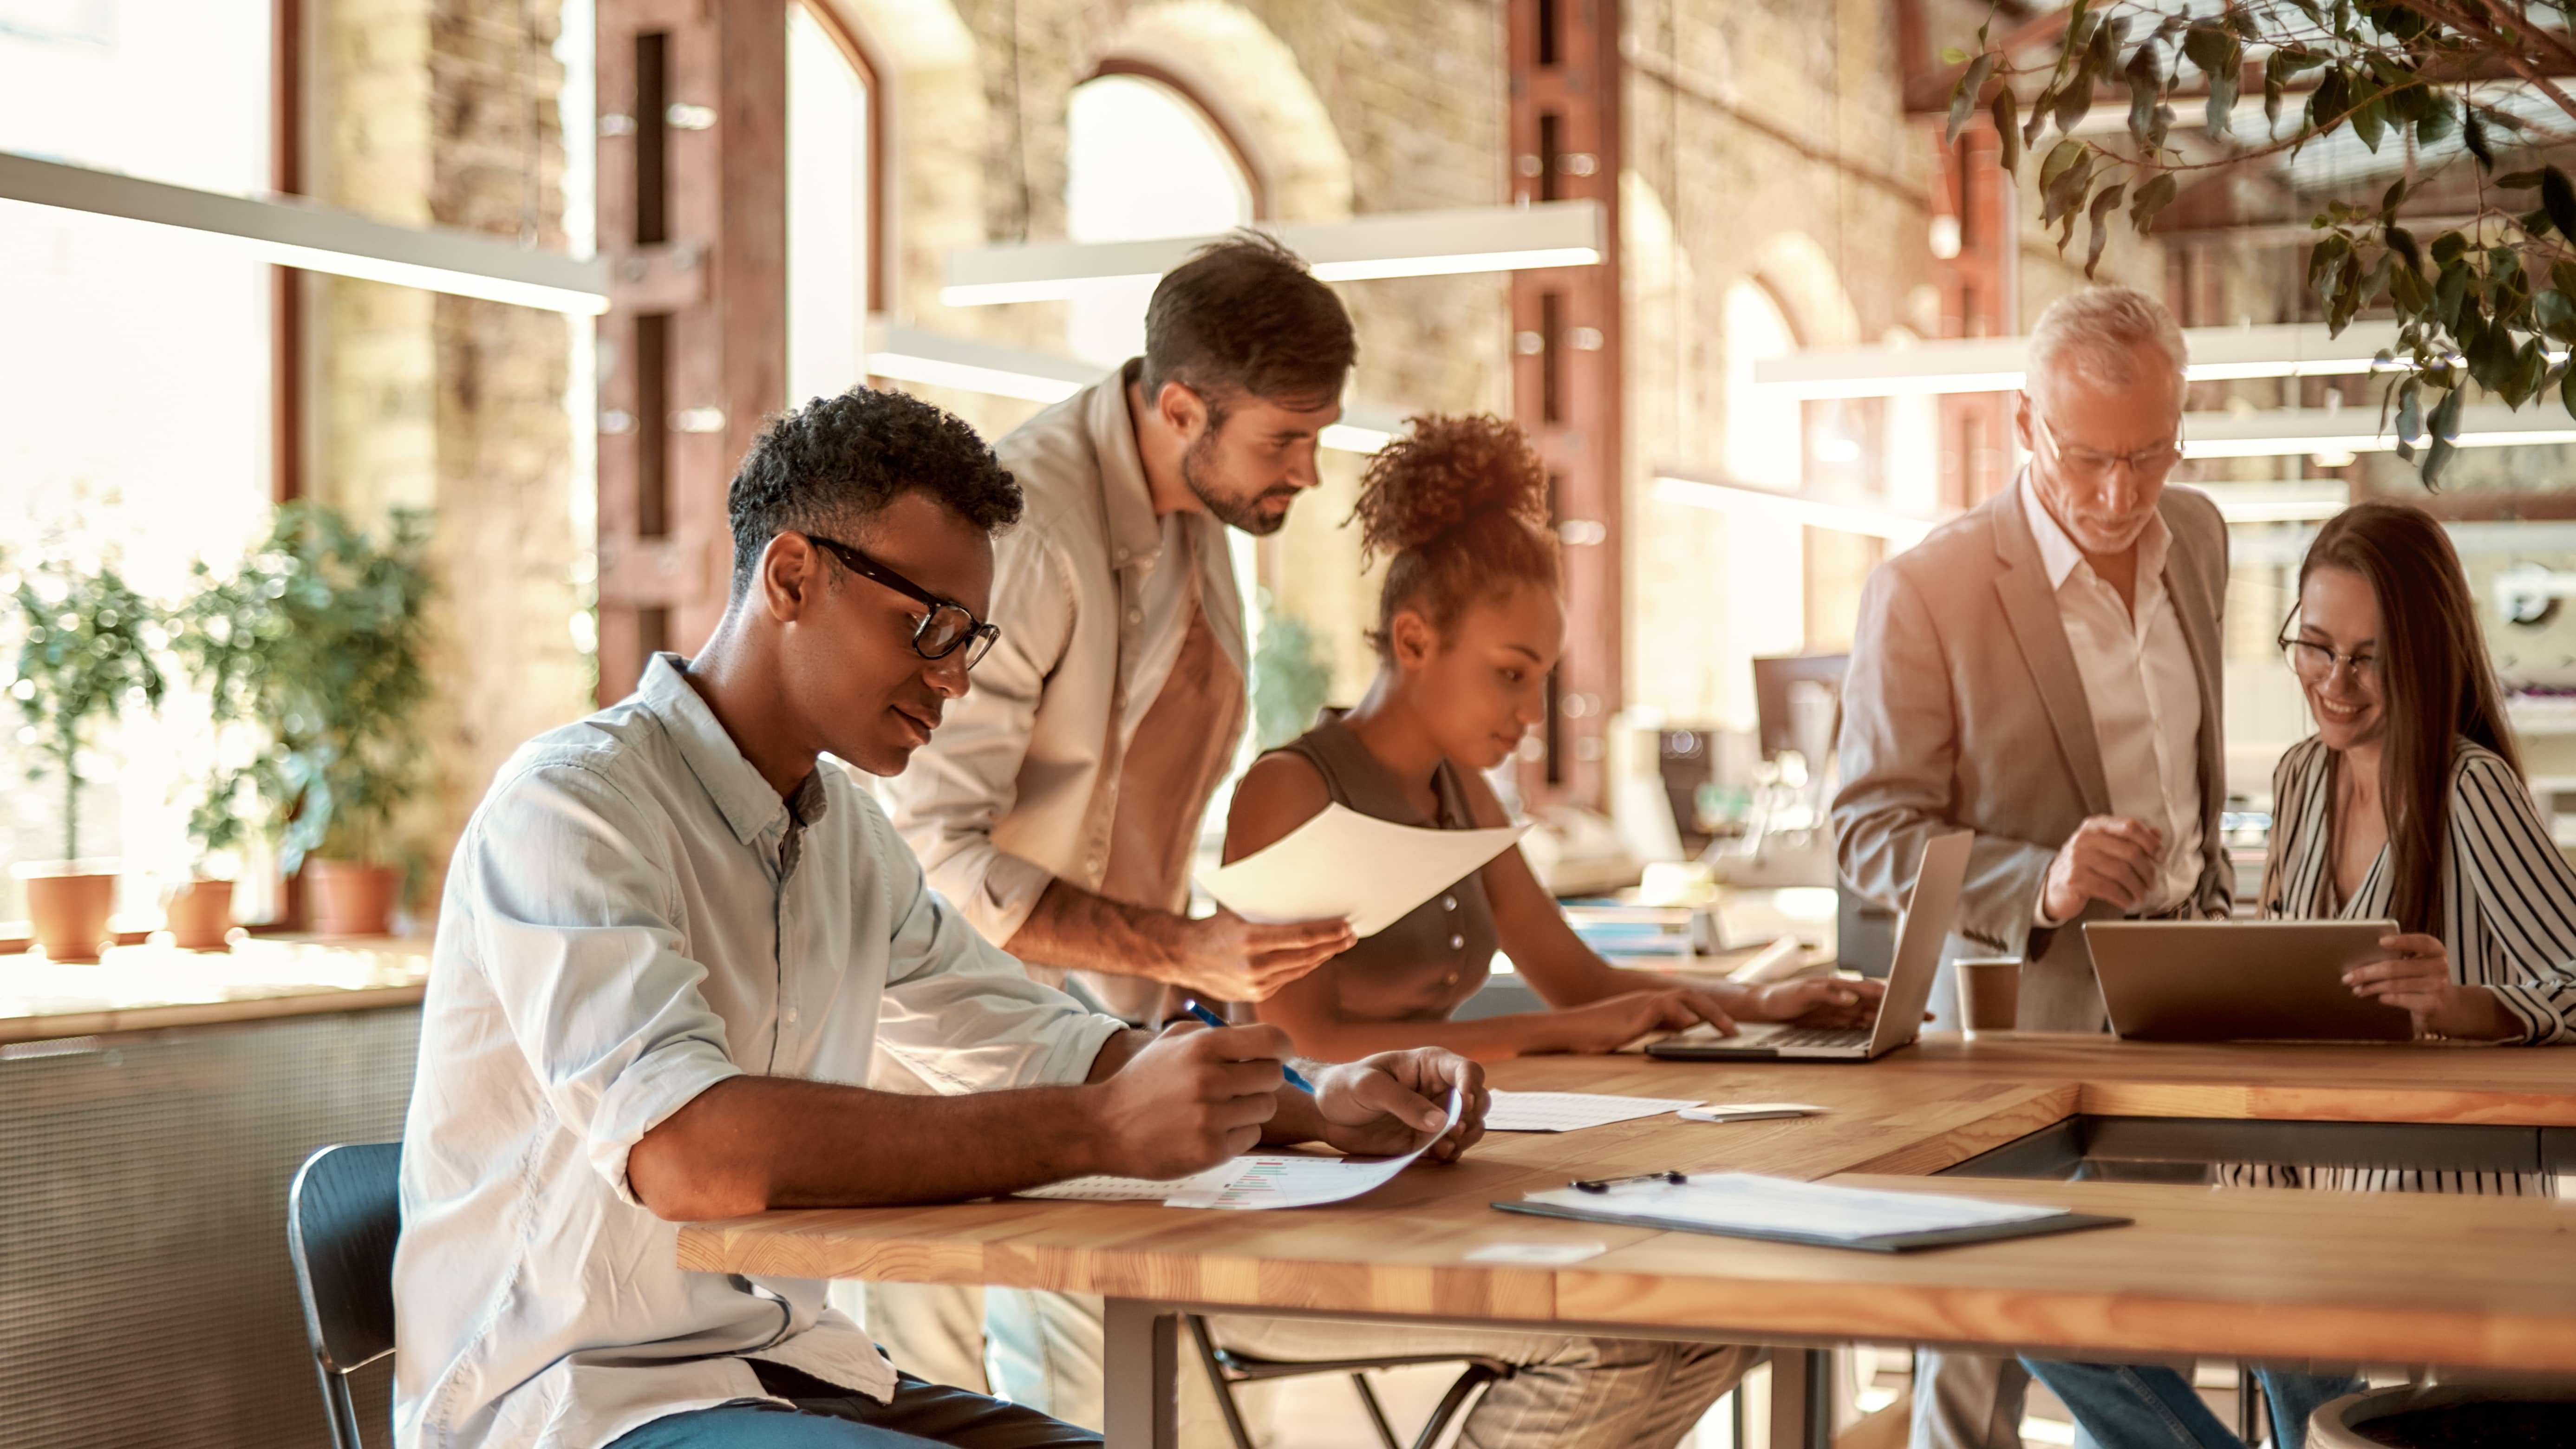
pixel 577 925
pixel 960 1012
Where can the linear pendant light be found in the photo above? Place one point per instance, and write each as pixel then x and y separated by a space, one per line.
pixel 1995 364
pixel 911 354
pixel 2287 432
pixel 318 239
pixel 1396 244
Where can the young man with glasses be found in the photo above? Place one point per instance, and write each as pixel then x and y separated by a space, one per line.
pixel 680 958
pixel 2044 671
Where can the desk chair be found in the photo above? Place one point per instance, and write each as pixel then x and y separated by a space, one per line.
pixel 1226 1368
pixel 343 1213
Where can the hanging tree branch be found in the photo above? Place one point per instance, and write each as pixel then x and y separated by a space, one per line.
pixel 2492 304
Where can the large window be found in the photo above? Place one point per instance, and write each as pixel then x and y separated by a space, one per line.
pixel 1141 162
pixel 135 389
pixel 1765 559
pixel 828 210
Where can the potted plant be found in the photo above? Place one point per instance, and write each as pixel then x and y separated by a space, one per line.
pixel 317 639
pixel 200 913
pixel 83 655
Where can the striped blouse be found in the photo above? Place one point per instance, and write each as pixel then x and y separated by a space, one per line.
pixel 2512 928
pixel 2508 896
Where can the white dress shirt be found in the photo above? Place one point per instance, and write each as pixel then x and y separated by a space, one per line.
pixel 632 916
pixel 2142 690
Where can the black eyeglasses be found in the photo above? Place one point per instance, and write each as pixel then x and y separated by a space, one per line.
pixel 944 630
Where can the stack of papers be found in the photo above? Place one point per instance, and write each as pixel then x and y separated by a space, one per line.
pixel 1283 1181
pixel 1343 865
pixel 1743 1204
pixel 1568 1111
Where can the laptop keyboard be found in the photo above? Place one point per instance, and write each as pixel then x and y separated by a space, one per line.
pixel 1817 1036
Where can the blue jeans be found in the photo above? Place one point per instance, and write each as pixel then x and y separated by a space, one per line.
pixel 827 1416
pixel 2149 1406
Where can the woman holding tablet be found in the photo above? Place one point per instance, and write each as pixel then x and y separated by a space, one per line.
pixel 2407 803
pixel 1469 624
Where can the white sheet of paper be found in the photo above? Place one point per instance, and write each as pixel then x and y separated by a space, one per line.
pixel 1537 1255
pixel 1568 1111
pixel 1747 1111
pixel 1343 865
pixel 1243 1183
pixel 1748 1202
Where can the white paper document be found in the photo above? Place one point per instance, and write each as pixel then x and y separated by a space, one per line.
pixel 1567 1111
pixel 1747 1111
pixel 1343 865
pixel 1283 1181
pixel 1744 1202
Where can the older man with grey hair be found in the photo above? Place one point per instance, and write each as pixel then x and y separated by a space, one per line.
pixel 2043 671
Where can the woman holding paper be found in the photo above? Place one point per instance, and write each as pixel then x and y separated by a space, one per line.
pixel 1470 622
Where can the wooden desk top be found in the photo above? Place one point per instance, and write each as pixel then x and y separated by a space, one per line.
pixel 2262 1273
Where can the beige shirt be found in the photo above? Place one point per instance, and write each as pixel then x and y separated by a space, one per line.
pixel 2143 690
pixel 1096 597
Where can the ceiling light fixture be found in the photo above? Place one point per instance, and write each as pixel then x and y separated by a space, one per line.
pixel 2288 432
pixel 1996 364
pixel 1395 244
pixel 1693 488
pixel 293 233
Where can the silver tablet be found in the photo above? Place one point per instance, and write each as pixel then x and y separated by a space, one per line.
pixel 2240 980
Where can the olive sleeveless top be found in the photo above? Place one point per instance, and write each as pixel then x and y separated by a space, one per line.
pixel 1423 966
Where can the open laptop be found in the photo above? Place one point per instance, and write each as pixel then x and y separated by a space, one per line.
pixel 2241 980
pixel 1929 911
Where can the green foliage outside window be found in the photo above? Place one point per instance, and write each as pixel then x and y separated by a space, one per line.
pixel 1291 679
pixel 2489 302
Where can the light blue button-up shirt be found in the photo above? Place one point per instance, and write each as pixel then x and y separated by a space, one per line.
pixel 632 916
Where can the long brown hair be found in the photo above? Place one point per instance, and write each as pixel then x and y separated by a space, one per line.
pixel 2436 686
pixel 1458 508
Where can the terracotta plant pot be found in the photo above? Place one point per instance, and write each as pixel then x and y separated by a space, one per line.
pixel 352 897
pixel 200 913
pixel 68 906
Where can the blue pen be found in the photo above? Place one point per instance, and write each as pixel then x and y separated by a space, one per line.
pixel 1212 1019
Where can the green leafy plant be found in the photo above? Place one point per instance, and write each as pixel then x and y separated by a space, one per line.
pixel 2490 302
pixel 317 641
pixel 1290 680
pixel 84 653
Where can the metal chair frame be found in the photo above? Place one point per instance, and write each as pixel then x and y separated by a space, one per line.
pixel 1226 1368
pixel 343 1214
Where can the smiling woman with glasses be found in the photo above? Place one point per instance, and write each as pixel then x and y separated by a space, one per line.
pixel 2408 803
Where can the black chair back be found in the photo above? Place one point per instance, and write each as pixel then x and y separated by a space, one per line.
pixel 343 1214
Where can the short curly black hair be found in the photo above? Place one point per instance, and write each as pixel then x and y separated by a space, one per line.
pixel 828 465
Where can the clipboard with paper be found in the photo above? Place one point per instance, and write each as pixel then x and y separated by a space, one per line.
pixel 1784 1210
pixel 1343 865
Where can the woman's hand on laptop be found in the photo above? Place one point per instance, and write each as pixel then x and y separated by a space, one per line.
pixel 1816 1001
pixel 1612 1022
pixel 2417 976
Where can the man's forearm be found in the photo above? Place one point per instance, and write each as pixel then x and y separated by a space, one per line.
pixel 752 1143
pixel 1073 929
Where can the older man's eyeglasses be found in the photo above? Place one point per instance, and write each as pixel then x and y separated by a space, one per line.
pixel 2091 465
pixel 947 628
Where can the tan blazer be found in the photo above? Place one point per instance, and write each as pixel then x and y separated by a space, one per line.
pixel 1963 708
pixel 1020 785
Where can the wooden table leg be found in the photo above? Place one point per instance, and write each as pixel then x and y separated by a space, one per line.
pixel 1802 1400
pixel 1140 1364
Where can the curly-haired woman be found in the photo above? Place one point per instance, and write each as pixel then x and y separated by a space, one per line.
pixel 1470 622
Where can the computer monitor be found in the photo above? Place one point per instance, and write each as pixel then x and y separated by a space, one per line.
pixel 1772 697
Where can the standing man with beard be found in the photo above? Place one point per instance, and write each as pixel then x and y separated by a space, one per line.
pixel 1059 805
pixel 2044 671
